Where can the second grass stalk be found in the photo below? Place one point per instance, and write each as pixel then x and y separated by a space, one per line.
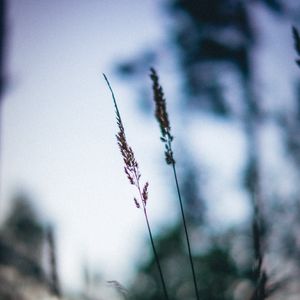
pixel 166 137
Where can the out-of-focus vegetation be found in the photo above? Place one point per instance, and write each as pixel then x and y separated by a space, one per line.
pixel 28 261
pixel 217 46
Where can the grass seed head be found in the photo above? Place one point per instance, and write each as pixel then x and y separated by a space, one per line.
pixel 162 116
pixel 131 167
pixel 145 193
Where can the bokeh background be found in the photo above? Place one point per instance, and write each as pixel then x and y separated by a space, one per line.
pixel 69 225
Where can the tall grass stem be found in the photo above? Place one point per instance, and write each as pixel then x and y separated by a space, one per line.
pixel 156 256
pixel 186 231
pixel 162 117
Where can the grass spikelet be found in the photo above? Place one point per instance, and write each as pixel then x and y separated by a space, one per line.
pixel 119 287
pixel 131 167
pixel 167 138
pixel 133 174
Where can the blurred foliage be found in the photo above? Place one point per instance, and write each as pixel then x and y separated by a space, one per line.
pixel 21 249
pixel 215 39
pixel 22 225
pixel 216 270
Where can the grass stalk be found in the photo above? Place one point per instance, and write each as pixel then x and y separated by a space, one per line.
pixel 131 169
pixel 166 137
pixel 156 256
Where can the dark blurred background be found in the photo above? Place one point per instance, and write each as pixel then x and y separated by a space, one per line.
pixel 232 87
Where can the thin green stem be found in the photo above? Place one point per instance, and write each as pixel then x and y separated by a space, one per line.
pixel 152 241
pixel 156 256
pixel 186 231
pixel 166 137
